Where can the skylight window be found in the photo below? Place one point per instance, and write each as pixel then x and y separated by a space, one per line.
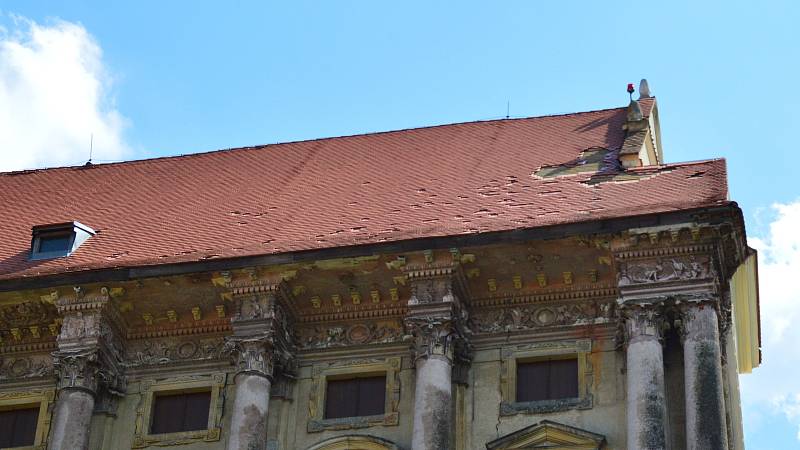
pixel 58 240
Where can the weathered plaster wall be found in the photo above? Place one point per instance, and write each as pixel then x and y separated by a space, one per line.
pixel 607 416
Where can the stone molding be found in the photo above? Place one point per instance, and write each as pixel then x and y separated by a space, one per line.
pixel 41 397
pixel 510 355
pixel 149 388
pixel 316 401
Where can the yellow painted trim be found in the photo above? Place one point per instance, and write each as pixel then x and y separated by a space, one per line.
pixel 744 300
pixel 31 398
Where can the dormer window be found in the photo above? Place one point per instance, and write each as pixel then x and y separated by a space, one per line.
pixel 58 240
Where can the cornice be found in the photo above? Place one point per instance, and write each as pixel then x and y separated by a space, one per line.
pixel 599 290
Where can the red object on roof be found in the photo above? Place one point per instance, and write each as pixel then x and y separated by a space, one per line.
pixel 438 181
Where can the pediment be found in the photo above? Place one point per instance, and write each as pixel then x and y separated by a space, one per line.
pixel 550 436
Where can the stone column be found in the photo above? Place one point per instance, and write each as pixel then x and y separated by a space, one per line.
pixel 260 335
pixel 433 398
pixel 646 411
pixel 78 373
pixel 705 406
pixel 88 354
pixel 436 320
pixel 251 402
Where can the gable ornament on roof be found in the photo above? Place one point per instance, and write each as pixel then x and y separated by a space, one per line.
pixel 549 435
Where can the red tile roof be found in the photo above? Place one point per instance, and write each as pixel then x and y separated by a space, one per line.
pixel 437 181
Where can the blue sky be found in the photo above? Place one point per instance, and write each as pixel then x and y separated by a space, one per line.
pixel 165 78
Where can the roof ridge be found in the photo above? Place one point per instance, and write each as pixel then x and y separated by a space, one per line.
pixel 275 144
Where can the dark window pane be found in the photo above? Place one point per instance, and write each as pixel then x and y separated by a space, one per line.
pixel 564 378
pixel 180 412
pixel 371 396
pixel 54 243
pixel 355 397
pixel 18 427
pixel 547 380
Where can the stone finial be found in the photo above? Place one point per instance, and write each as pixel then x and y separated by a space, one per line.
pixel 644 89
pixel 634 112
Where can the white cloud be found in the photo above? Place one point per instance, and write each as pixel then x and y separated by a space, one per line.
pixel 54 94
pixel 773 387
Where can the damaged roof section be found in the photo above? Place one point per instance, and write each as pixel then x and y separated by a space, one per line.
pixel 429 182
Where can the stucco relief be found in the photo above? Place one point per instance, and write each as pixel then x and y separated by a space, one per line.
pixel 665 269
pixel 25 367
pixel 344 335
pixel 165 351
pixel 530 317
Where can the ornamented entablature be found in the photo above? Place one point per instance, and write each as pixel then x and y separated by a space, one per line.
pixel 149 388
pixel 511 355
pixel 321 372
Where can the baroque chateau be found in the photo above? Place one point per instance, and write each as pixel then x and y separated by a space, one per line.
pixel 546 282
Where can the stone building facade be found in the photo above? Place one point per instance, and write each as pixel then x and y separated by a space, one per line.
pixel 493 285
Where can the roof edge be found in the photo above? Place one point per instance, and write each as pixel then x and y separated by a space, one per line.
pixel 418 244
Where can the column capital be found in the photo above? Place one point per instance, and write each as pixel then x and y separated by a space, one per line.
pixel 261 338
pixel 641 321
pixel 89 348
pixel 437 316
pixel 253 355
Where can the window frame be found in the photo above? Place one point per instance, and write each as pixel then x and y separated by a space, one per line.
pixel 321 372
pixel 31 398
pixel 150 388
pixel 541 351
pixel 541 359
pixel 76 233
pixel 349 377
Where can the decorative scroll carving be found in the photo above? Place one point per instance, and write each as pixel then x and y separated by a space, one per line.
pixel 261 339
pixel 77 369
pixel 532 317
pixel 358 334
pixel 166 351
pixel 665 269
pixel 25 367
pixel 642 320
pixel 432 336
pixel 252 354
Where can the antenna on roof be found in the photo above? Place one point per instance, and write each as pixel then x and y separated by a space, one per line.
pixel 91 149
pixel 508 108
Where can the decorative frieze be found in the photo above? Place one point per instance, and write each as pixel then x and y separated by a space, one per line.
pixel 676 268
pixel 330 336
pixel 520 318
pixel 29 366
pixel 153 352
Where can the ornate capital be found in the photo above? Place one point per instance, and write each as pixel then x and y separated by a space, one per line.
pixel 642 321
pixel 89 349
pixel 253 355
pixel 433 336
pixel 77 369
pixel 698 319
